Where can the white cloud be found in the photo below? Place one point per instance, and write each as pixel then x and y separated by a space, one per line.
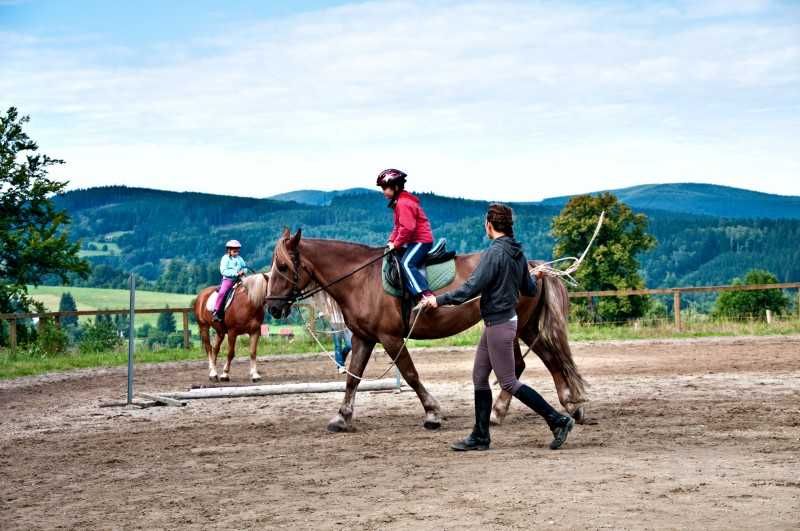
pixel 591 96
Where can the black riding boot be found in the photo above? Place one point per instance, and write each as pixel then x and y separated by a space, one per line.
pixel 559 424
pixel 479 438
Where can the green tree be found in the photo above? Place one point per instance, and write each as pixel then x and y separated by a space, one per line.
pixel 67 304
pixel 752 303
pixel 166 322
pixel 612 262
pixel 33 234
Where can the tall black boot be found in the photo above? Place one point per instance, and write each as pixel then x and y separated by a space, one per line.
pixel 479 438
pixel 559 424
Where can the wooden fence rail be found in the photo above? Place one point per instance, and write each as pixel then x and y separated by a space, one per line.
pixel 676 293
pixel 12 319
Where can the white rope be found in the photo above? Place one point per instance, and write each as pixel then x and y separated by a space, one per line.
pixel 346 371
pixel 547 268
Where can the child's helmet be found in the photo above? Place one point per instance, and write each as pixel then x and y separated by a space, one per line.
pixel 391 177
pixel 233 244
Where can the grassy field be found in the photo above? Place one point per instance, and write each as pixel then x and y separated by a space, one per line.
pixel 110 299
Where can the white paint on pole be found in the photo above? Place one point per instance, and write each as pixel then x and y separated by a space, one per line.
pixel 280 389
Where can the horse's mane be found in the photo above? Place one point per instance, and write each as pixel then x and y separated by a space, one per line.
pixel 256 286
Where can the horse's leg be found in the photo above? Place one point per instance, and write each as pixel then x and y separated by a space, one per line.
pixel 206 340
pixel 433 413
pixel 362 350
pixel 226 377
pixel 562 388
pixel 503 401
pixel 254 376
pixel 212 360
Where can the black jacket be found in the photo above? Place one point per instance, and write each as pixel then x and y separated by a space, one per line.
pixel 499 278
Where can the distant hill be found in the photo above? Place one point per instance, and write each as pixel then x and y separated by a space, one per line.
pixel 318 197
pixel 174 241
pixel 704 199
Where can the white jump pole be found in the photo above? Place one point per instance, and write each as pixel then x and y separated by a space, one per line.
pixel 279 389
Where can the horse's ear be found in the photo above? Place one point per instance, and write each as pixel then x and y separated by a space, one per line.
pixel 292 244
pixel 286 234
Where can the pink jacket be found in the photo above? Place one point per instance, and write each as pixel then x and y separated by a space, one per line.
pixel 411 225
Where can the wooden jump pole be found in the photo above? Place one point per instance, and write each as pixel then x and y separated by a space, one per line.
pixel 280 389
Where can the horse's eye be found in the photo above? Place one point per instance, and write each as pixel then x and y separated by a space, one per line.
pixel 282 268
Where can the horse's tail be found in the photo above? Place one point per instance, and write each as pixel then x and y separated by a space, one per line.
pixel 553 333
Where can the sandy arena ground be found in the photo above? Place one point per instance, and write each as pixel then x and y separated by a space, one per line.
pixel 684 434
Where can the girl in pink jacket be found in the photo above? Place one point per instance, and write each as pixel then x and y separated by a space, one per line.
pixel 412 235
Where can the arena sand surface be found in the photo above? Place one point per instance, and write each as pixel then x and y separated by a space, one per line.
pixel 683 434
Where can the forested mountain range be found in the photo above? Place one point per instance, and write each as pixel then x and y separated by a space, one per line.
pixel 704 199
pixel 174 240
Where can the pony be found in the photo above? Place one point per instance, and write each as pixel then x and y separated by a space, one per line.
pixel 244 316
pixel 350 273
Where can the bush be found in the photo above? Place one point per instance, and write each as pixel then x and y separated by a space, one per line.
pixel 99 337
pixel 144 330
pixel 52 340
pixel 752 303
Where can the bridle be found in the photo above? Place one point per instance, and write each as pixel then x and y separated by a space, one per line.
pixel 296 294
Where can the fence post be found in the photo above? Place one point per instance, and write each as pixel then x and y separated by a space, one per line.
pixel 676 299
pixel 185 329
pixel 131 335
pixel 12 333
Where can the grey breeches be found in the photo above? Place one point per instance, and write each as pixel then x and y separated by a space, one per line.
pixel 496 352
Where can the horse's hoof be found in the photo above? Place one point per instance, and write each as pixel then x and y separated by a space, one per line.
pixel 495 419
pixel 224 378
pixel 255 378
pixel 214 378
pixel 339 425
pixel 579 415
pixel 432 424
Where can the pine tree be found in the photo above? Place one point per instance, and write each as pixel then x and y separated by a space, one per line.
pixel 166 322
pixel 67 304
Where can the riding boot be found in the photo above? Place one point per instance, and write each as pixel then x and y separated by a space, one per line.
pixel 559 424
pixel 216 315
pixel 479 438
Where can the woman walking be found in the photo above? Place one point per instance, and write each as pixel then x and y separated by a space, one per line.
pixel 499 278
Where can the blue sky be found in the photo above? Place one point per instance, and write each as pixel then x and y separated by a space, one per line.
pixel 495 100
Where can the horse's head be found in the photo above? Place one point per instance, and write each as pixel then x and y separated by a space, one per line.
pixel 288 276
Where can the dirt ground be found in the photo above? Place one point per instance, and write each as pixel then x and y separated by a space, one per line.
pixel 684 434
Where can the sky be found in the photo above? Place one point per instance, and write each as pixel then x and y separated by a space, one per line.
pixel 501 100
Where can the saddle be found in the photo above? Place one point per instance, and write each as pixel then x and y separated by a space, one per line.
pixel 439 269
pixel 212 299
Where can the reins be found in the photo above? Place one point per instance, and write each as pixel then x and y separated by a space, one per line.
pixel 299 295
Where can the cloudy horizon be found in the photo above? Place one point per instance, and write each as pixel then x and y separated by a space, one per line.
pixel 512 100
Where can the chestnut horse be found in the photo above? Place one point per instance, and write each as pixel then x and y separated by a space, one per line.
pixel 351 274
pixel 243 316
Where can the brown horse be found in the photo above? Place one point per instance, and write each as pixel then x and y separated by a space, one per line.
pixel 243 316
pixel 375 316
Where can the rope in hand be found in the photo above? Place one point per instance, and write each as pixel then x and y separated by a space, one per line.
pixel 419 311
